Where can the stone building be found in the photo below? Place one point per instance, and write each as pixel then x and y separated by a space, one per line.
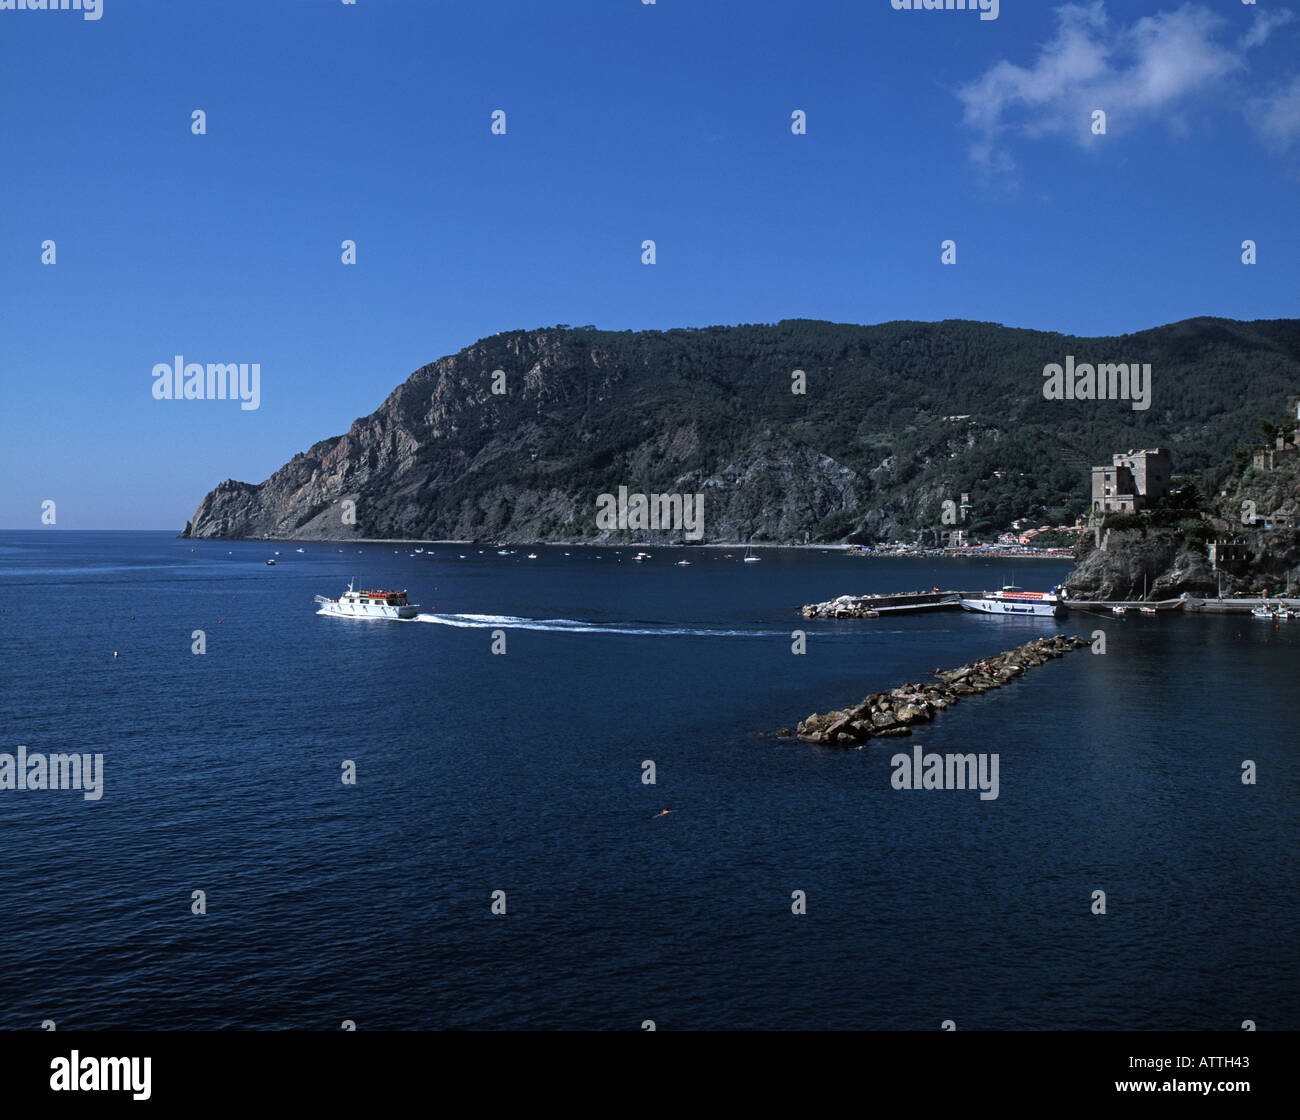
pixel 1131 481
pixel 1271 457
pixel 1228 554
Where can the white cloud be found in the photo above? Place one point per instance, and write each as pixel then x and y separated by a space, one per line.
pixel 1150 70
pixel 1277 117
pixel 1266 22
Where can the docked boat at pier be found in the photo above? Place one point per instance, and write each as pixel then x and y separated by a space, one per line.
pixel 368 604
pixel 1277 613
pixel 1016 600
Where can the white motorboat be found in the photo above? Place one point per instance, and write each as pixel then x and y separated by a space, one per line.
pixel 1013 600
pixel 368 604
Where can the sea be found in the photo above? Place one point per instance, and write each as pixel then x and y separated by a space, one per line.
pixel 458 823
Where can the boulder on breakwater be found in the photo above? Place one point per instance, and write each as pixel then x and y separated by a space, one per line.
pixel 846 606
pixel 887 715
pixel 872 606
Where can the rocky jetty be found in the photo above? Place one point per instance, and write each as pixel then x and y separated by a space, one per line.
pixel 871 606
pixel 887 715
pixel 846 606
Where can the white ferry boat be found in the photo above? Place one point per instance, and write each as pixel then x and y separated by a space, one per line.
pixel 368 604
pixel 1016 600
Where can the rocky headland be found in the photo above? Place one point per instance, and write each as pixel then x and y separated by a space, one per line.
pixel 516 436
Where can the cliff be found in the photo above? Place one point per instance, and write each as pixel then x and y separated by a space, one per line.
pixel 1253 523
pixel 896 419
pixel 1158 562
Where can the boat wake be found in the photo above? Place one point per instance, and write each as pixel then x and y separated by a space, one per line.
pixel 578 626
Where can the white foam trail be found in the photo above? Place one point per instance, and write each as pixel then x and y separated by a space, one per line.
pixel 577 626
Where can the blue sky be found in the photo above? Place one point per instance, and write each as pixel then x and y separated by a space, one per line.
pixel 624 121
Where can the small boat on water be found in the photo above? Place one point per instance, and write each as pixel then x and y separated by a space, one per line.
pixel 1119 610
pixel 639 558
pixel 532 556
pixel 750 558
pixel 1016 600
pixel 368 604
pixel 683 563
pixel 1278 613
pixel 300 550
pixel 1146 610
pixel 270 563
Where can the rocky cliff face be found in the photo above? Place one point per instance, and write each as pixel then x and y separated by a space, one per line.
pixel 1257 514
pixel 867 453
pixel 1272 555
pixel 445 457
pixel 1131 563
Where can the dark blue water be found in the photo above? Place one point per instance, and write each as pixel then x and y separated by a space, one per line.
pixel 521 773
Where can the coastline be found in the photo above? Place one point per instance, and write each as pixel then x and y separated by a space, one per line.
pixel 844 549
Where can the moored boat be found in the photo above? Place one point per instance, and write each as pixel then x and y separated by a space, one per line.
pixel 1013 600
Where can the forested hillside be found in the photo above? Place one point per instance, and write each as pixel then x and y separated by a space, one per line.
pixel 894 419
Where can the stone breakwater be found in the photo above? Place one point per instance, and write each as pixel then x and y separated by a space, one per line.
pixel 872 606
pixel 887 715
pixel 846 606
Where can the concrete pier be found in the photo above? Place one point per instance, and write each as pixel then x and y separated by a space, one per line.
pixel 907 602
pixel 1189 603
